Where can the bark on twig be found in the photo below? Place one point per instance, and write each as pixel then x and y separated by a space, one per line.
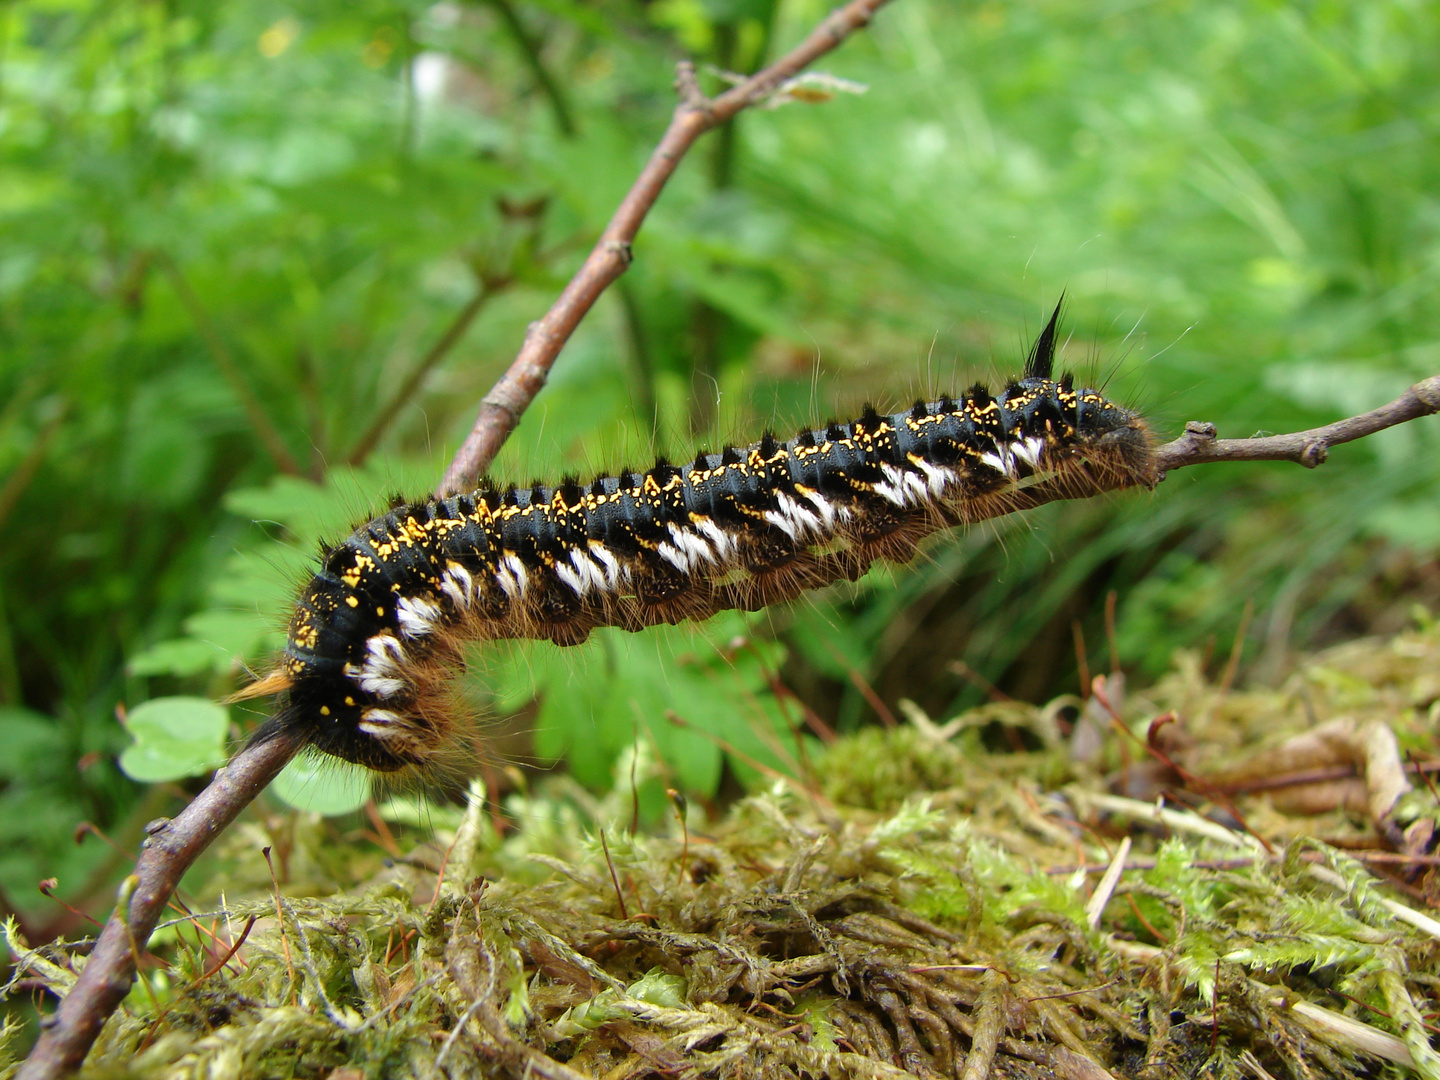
pixel 695 115
pixel 1198 445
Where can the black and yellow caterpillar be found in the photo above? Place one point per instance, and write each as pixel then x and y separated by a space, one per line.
pixel 378 632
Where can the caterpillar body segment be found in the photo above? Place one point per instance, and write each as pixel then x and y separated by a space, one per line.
pixel 378 633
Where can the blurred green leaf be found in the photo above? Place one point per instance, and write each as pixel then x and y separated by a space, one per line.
pixel 174 737
pixel 322 786
pixel 181 656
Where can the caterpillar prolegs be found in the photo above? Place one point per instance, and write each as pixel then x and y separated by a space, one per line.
pixel 379 630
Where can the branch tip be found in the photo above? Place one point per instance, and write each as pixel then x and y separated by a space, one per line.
pixel 1199 445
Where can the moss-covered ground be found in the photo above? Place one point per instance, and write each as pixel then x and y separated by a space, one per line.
pixel 1219 882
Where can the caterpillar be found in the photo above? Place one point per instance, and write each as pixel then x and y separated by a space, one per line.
pixel 379 631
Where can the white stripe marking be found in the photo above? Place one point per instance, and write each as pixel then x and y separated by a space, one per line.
pixel 1029 451
pixel 723 544
pixel 609 562
pixel 673 555
pixel 381 723
pixel 512 577
pixel 385 656
pixel 1000 462
pixel 699 551
pixel 824 505
pixel 416 616
pixel 907 486
pixel 382 686
pixel 805 520
pixel 458 584
pixel 938 476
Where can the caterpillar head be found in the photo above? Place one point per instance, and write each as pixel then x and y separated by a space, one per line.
pixel 1111 444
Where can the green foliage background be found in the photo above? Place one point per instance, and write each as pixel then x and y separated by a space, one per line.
pixel 234 233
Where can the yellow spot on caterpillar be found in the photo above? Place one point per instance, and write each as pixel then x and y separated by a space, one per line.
pixel 306 634
pixel 324 710
pixel 353 601
pixel 380 611
pixel 349 701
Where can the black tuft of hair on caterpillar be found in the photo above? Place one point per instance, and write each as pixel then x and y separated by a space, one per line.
pixel 378 633
pixel 1041 361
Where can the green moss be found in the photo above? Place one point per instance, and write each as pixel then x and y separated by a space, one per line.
pixel 928 901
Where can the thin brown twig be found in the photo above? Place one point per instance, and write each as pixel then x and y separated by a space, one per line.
pixel 265 431
pixel 1198 445
pixel 437 352
pixel 612 254
pixel 229 953
pixel 614 877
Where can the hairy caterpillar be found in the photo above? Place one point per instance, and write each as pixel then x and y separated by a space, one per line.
pixel 379 631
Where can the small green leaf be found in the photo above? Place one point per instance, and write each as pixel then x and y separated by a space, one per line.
pixel 322 786
pixel 181 656
pixel 660 988
pixel 174 737
pixel 229 635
